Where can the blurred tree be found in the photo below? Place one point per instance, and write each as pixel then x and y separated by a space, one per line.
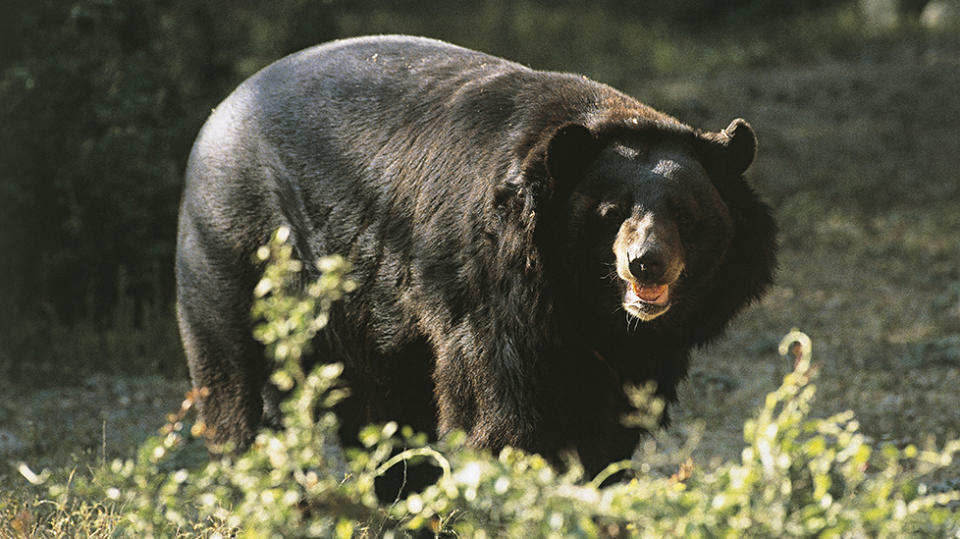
pixel 701 14
pixel 100 101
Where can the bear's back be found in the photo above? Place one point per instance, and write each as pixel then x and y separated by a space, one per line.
pixel 366 122
pixel 356 94
pixel 390 80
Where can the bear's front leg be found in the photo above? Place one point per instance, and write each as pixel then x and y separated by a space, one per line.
pixel 494 397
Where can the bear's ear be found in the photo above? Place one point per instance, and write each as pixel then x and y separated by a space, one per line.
pixel 729 152
pixel 570 150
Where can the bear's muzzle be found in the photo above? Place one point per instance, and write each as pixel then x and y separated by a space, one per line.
pixel 649 262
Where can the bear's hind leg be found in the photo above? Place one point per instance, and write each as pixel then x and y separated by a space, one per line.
pixel 227 365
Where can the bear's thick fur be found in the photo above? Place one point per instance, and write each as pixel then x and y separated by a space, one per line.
pixel 525 242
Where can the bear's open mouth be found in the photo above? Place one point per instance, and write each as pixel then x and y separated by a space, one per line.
pixel 646 302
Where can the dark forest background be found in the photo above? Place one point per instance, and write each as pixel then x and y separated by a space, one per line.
pixel 100 101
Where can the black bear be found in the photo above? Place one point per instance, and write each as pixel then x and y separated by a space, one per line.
pixel 525 243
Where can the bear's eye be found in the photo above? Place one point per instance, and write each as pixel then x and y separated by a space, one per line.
pixel 692 228
pixel 607 209
pixel 701 230
pixel 685 220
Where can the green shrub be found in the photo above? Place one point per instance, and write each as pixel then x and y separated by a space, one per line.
pixel 797 475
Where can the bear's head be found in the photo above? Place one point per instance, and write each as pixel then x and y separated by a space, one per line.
pixel 655 220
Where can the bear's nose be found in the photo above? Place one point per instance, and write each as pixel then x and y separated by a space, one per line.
pixel 649 267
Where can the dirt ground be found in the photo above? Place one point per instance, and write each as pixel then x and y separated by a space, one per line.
pixel 861 161
pixel 859 158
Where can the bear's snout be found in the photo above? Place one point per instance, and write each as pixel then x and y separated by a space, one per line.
pixel 649 262
pixel 648 251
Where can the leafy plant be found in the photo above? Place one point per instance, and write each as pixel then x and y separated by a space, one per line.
pixel 797 476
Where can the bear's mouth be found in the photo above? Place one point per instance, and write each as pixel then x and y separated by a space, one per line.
pixel 646 302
